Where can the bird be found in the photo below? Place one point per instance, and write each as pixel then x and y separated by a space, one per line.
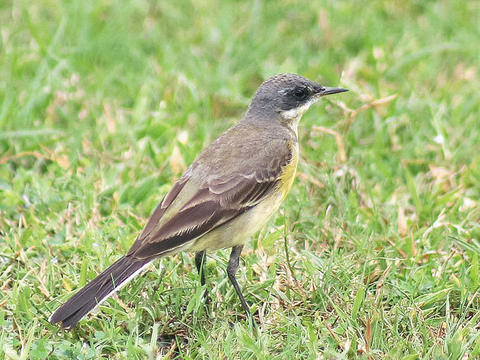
pixel 224 197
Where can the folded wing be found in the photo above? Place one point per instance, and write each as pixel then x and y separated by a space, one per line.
pixel 213 203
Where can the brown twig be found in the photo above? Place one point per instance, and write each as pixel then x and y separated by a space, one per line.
pixel 5 159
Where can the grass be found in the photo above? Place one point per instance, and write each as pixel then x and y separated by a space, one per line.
pixel 103 103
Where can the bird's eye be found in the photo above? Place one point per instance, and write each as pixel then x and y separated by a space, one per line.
pixel 300 93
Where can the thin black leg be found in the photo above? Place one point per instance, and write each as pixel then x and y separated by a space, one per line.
pixel 232 270
pixel 200 258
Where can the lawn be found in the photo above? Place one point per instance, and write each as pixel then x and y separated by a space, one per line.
pixel 375 253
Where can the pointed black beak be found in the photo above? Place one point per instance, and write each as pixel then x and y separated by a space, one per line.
pixel 330 90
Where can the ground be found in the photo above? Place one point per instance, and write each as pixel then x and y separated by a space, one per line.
pixel 375 253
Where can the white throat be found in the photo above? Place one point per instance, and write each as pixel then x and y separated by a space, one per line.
pixel 293 116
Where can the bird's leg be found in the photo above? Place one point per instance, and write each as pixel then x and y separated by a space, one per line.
pixel 200 258
pixel 232 270
pixel 200 263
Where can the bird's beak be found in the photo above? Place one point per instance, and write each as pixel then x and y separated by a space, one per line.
pixel 329 91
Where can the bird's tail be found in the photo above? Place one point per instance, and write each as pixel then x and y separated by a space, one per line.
pixel 97 291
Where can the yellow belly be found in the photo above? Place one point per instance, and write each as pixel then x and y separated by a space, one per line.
pixel 288 176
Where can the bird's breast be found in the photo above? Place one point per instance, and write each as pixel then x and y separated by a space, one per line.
pixel 289 171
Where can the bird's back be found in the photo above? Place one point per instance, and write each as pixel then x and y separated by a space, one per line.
pixel 243 148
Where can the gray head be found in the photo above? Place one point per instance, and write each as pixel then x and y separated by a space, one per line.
pixel 285 97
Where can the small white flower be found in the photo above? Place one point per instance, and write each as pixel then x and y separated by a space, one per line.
pixel 439 139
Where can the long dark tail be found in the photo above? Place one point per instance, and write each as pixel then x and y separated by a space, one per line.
pixel 97 290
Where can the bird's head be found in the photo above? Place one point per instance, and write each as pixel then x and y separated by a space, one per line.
pixel 286 97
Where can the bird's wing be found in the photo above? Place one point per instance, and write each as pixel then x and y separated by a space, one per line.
pixel 186 214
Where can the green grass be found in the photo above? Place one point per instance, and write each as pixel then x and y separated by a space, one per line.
pixel 102 103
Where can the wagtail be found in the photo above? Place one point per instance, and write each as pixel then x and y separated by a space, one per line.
pixel 227 194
